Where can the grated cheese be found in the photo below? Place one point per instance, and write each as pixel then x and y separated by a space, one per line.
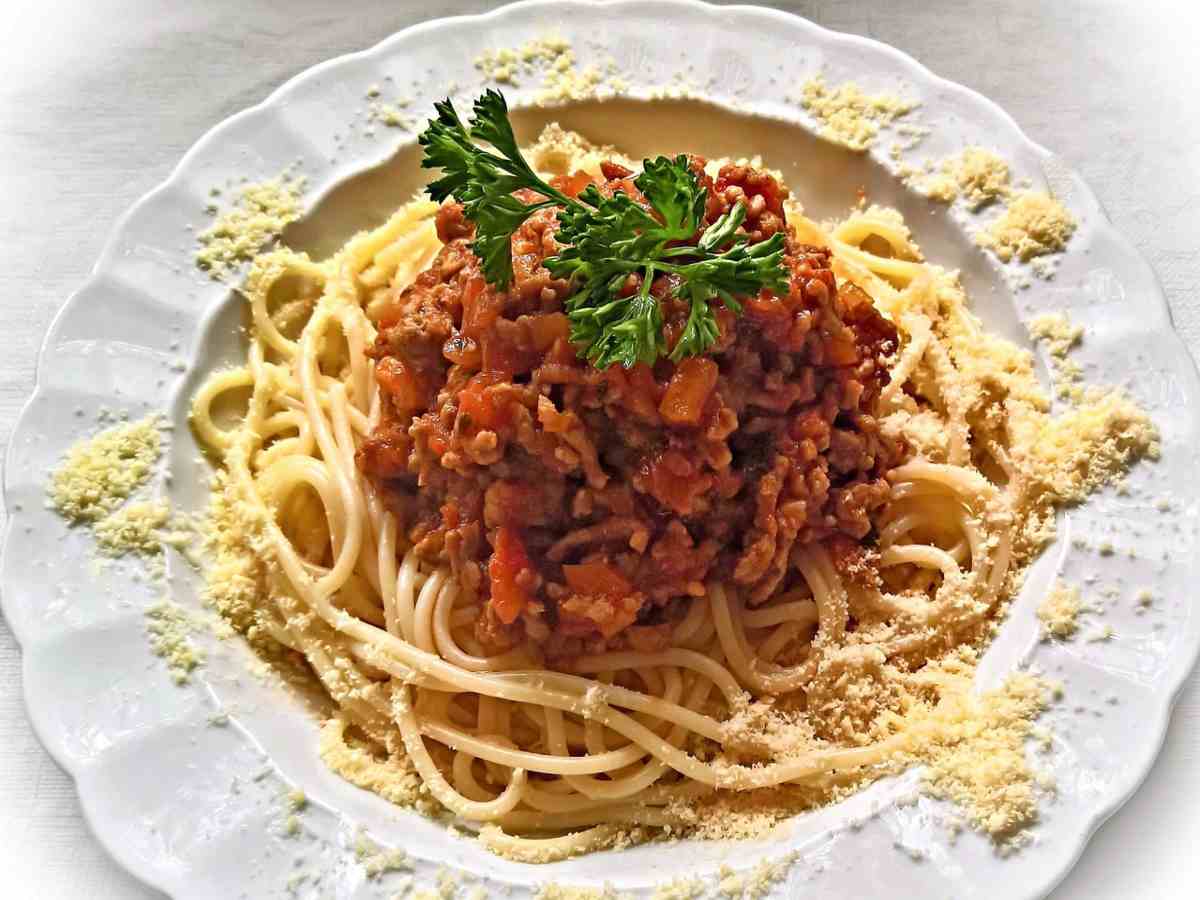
pixel 976 755
pixel 553 57
pixel 297 800
pixel 168 626
pixel 679 889
pixel 259 216
pixel 561 152
pixel 388 114
pixel 1059 611
pixel 552 891
pixel 975 174
pixel 99 473
pixel 754 883
pixel 1089 445
pixel 847 115
pixel 134 528
pixel 1059 336
pixel 395 780
pixel 1034 224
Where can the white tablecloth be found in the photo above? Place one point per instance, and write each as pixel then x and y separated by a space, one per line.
pixel 98 100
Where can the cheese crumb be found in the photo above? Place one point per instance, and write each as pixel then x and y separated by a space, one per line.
pixel 1059 611
pixel 97 474
pixel 679 889
pixel 1033 224
pixel 847 115
pixel 390 115
pixel 553 56
pixel 977 758
pixel 134 528
pixel 977 175
pixel 379 860
pixel 1057 331
pixel 261 213
pixel 168 626
pixel 500 66
pixel 553 891
pixel 1059 336
pixel 754 883
pixel 395 779
pixel 561 152
pixel 1071 455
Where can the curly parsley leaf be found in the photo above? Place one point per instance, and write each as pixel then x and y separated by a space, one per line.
pixel 484 182
pixel 625 330
pixel 671 187
pixel 604 240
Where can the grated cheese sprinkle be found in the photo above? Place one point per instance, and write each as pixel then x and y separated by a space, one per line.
pixel 552 891
pixel 134 528
pixel 977 175
pixel 261 213
pixel 552 55
pixel 679 889
pixel 1059 611
pixel 1059 336
pixel 1034 224
pixel 976 758
pixel 97 474
pixel 847 115
pixel 168 626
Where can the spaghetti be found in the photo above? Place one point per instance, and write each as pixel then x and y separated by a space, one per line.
pixel 776 706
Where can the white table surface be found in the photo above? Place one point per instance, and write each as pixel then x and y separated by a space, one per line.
pixel 100 98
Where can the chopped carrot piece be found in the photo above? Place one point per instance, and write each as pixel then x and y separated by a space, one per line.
pixel 688 391
pixel 401 382
pixel 481 405
pixel 596 578
pixel 508 561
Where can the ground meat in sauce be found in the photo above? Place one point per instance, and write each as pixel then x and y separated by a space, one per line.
pixel 587 508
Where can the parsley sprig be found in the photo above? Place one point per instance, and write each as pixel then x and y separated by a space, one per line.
pixel 604 240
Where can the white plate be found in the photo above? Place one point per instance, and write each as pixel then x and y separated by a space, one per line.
pixel 175 797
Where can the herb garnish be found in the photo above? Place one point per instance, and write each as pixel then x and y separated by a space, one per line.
pixel 605 239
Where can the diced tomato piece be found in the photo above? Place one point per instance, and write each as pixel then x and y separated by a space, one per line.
pixel 502 358
pixel 548 328
pixel 841 352
pixel 574 184
pixel 766 306
pixel 611 170
pixel 481 308
pixel 437 435
pixel 688 391
pixel 635 389
pixel 674 482
pixel 481 405
pixel 508 561
pixel 401 382
pixel 596 578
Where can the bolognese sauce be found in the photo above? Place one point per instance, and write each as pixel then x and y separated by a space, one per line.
pixel 587 508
